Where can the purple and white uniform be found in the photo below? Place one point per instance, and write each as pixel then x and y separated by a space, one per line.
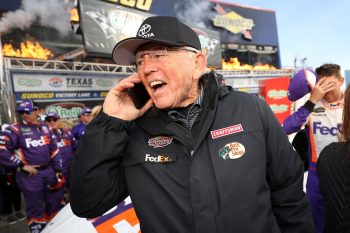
pixel 36 146
pixel 322 121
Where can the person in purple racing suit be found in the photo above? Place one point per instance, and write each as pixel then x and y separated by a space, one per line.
pixel 40 164
pixel 65 142
pixel 321 116
pixel 79 129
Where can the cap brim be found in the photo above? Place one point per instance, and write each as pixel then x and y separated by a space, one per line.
pixel 24 109
pixel 124 52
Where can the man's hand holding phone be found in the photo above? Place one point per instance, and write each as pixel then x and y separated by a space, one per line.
pixel 119 102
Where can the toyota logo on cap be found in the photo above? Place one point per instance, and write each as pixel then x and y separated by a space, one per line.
pixel 144 30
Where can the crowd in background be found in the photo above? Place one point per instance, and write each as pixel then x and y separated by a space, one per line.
pixel 328 151
pixel 37 184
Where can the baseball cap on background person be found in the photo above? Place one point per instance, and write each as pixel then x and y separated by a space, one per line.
pixel 27 106
pixel 164 30
pixel 301 83
pixel 52 115
pixel 85 112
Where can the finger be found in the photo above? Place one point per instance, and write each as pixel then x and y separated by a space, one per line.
pixel 329 83
pixel 135 78
pixel 147 106
pixel 320 82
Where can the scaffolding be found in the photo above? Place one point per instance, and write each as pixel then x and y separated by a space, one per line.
pixel 239 79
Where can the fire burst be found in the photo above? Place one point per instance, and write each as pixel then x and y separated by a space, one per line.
pixel 28 50
pixel 235 64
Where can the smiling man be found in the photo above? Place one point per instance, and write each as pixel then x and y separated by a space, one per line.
pixel 196 157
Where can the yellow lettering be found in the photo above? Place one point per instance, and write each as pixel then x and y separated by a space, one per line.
pixel 112 0
pixel 144 4
pixel 37 95
pixel 130 3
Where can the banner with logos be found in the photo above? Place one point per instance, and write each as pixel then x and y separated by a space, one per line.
pixel 63 93
pixel 105 24
pixel 275 92
pixel 236 23
pixel 32 82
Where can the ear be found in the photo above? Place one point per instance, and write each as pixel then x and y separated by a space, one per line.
pixel 201 63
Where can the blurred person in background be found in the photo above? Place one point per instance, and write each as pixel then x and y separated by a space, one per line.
pixel 79 129
pixel 12 196
pixel 333 169
pixel 66 125
pixel 321 116
pixel 95 111
pixel 197 156
pixel 40 164
pixel 65 143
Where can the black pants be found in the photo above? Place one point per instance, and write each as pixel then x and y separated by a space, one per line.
pixel 11 193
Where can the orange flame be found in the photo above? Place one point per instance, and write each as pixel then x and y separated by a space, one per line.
pixel 74 16
pixel 235 64
pixel 28 50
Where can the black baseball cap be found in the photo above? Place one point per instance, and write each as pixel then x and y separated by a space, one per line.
pixel 164 30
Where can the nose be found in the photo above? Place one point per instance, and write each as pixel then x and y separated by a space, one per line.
pixel 149 65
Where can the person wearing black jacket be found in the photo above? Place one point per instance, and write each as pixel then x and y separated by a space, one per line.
pixel 333 169
pixel 197 157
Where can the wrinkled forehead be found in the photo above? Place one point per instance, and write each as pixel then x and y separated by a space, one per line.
pixel 151 46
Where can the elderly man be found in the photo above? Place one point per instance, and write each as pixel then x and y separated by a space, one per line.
pixel 197 157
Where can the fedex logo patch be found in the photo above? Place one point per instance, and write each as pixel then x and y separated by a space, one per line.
pixel 324 130
pixel 44 140
pixel 158 159
pixel 226 131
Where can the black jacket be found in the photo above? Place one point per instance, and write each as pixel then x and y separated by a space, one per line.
pixel 333 169
pixel 236 171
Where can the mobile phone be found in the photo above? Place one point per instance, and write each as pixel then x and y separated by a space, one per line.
pixel 139 95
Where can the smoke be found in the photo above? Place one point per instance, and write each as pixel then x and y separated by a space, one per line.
pixel 193 12
pixel 49 13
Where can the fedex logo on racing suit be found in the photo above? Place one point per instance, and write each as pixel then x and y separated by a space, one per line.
pixel 324 130
pixel 44 140
pixel 63 142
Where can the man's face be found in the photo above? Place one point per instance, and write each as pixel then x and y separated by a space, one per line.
pixel 53 122
pixel 29 117
pixel 335 93
pixel 86 118
pixel 170 75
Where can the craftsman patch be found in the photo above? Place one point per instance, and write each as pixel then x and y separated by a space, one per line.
pixel 160 141
pixel 233 150
pixel 226 131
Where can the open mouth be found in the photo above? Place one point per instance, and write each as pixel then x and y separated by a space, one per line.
pixel 155 85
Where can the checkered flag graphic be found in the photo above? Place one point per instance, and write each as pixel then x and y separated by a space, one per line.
pixel 103 24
